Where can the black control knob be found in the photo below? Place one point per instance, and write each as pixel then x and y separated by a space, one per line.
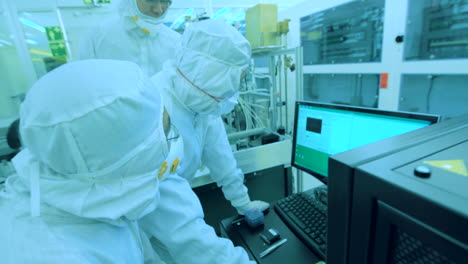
pixel 399 39
pixel 422 171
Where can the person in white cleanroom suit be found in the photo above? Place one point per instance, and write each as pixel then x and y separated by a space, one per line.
pixel 90 169
pixel 199 86
pixel 137 35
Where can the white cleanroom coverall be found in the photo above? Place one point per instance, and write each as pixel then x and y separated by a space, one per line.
pixel 197 88
pixel 93 146
pixel 132 36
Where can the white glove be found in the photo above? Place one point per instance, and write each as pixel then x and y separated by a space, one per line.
pixel 261 205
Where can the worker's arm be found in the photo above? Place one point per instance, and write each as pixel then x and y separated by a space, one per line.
pixel 178 224
pixel 218 157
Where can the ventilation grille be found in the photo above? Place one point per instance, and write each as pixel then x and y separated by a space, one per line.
pixel 406 249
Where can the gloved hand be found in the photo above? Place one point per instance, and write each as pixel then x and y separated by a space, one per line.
pixel 261 205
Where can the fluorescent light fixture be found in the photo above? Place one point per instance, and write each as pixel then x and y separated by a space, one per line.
pixel 32 24
pixel 4 42
pixel 189 12
pixel 179 21
pixel 239 17
pixel 32 42
pixel 221 12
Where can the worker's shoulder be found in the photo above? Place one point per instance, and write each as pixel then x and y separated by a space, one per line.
pixel 212 123
pixel 112 23
pixel 105 27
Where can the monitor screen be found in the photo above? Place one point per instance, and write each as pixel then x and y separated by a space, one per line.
pixel 322 130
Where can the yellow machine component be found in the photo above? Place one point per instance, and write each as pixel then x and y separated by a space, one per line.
pixel 283 27
pixel 262 25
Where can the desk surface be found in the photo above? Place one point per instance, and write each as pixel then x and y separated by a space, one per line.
pixel 293 251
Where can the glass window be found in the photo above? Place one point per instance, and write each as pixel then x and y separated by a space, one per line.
pixel 348 33
pixel 437 30
pixel 348 89
pixel 45 40
pixel 444 95
pixel 12 76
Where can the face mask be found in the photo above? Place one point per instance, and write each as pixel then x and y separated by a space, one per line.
pixel 147 23
pixel 226 105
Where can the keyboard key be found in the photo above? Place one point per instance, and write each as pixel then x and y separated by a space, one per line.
pixel 296 220
pixel 307 217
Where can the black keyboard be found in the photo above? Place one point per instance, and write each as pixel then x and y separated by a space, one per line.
pixel 306 216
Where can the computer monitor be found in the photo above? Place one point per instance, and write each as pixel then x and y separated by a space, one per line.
pixel 322 130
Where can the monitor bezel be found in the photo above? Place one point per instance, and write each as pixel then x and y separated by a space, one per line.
pixel 420 116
